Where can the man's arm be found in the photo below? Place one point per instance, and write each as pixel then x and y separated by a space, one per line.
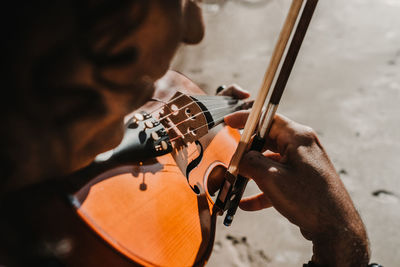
pixel 297 178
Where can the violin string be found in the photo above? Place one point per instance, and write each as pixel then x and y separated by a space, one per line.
pixel 183 135
pixel 207 124
pixel 214 99
pixel 195 101
pixel 192 117
pixel 166 103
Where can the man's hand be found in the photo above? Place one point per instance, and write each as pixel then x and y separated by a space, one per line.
pixel 297 178
pixel 235 91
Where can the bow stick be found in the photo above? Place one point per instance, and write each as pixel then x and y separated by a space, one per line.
pixel 233 188
pixel 254 117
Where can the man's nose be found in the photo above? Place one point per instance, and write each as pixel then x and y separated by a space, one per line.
pixel 193 27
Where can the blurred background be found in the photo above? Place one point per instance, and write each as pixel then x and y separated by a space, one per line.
pixel 345 84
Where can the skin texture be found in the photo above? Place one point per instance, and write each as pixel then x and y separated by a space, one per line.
pixel 75 69
pixel 297 178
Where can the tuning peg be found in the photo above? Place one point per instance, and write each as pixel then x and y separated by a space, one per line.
pixel 139 117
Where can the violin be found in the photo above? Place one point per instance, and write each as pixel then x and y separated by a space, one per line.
pixel 146 202
pixel 152 200
pixel 161 191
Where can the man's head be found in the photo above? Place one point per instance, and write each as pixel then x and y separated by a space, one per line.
pixel 75 69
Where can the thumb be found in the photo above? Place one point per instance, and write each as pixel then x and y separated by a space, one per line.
pixel 257 202
pixel 237 119
pixel 260 168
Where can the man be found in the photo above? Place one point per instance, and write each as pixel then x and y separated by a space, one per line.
pixel 76 68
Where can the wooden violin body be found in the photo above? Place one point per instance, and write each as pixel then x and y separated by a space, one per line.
pixel 151 211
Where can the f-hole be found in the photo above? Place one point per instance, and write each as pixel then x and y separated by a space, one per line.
pixel 193 164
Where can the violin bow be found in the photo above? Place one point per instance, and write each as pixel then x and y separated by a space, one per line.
pixel 225 193
pixel 233 188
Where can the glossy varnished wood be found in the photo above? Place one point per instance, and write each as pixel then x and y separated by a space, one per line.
pixel 137 214
pixel 149 212
pixel 160 225
pixel 39 227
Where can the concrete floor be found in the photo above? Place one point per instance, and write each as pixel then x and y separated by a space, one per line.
pixel 346 85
